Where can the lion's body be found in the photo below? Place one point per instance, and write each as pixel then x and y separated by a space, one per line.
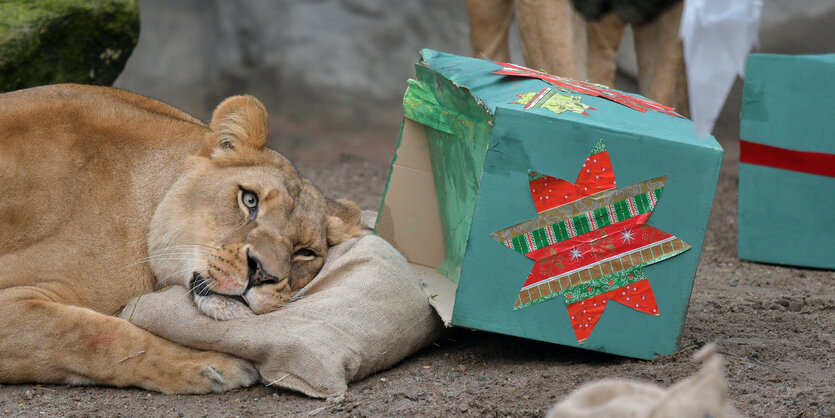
pixel 83 170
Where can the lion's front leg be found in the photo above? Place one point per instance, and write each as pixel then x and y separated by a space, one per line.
pixel 48 342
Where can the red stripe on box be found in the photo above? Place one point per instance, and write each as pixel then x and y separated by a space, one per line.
pixel 819 163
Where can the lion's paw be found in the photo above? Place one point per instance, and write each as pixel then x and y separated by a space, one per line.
pixel 214 372
pixel 226 373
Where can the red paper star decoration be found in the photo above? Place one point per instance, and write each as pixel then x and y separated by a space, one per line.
pixel 597 90
pixel 590 242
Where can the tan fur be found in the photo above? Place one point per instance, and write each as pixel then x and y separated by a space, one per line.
pixel 555 38
pixel 105 195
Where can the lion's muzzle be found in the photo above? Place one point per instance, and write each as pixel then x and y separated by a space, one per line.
pixel 257 275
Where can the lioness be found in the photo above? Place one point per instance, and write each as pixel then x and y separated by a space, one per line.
pixel 106 194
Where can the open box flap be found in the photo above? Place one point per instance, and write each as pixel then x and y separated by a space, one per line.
pixel 439 289
pixel 409 217
pixel 410 220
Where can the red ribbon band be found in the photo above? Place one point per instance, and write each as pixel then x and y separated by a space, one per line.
pixel 819 163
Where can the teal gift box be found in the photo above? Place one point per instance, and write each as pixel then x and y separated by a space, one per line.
pixel 787 161
pixel 531 205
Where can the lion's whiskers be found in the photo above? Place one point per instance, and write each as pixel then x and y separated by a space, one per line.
pixel 179 252
pixel 182 252
pixel 169 254
pixel 164 258
pixel 188 255
pixel 195 247
pixel 203 285
pixel 175 273
pixel 200 286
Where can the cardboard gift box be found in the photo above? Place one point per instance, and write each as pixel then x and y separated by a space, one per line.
pixel 787 160
pixel 523 201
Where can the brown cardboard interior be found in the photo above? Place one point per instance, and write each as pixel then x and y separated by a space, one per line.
pixel 410 220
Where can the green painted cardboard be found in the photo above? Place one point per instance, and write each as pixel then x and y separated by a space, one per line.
pixel 785 217
pixel 641 146
pixel 457 139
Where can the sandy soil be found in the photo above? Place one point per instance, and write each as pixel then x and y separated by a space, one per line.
pixel 775 326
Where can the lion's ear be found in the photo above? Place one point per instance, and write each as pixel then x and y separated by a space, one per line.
pixel 343 220
pixel 238 121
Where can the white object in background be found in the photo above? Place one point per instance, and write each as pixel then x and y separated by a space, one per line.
pixel 717 37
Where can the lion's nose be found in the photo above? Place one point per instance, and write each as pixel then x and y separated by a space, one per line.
pixel 257 274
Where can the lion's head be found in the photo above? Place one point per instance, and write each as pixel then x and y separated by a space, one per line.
pixel 241 229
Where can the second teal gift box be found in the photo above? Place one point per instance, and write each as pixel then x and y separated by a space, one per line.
pixel 787 161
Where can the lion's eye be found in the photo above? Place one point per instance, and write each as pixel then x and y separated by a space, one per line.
pixel 249 199
pixel 304 254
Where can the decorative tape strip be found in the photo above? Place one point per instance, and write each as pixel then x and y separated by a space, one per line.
pixel 580 207
pixel 571 285
pixel 584 223
pixel 643 255
pixel 581 251
pixel 548 98
pixel 603 285
pixel 592 89
pixel 566 84
pixel 819 163
pixel 540 98
pixel 546 291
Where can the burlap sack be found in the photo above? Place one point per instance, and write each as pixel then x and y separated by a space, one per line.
pixel 704 394
pixel 364 312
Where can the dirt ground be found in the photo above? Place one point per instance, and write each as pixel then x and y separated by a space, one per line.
pixel 775 326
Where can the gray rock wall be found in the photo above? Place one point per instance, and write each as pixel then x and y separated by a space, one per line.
pixel 337 63
pixel 317 61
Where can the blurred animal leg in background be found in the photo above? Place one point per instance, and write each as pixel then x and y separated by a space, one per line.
pixel 603 40
pixel 489 26
pixel 556 38
pixel 661 74
pixel 553 37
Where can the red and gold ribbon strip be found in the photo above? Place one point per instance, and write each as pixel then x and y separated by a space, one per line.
pixel 597 90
